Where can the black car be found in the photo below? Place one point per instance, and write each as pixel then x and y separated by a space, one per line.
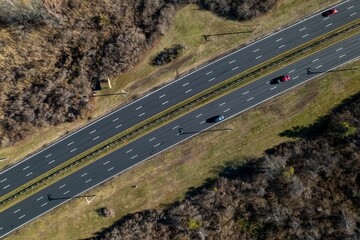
pixel 215 119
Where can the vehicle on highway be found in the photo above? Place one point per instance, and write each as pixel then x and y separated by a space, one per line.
pixel 329 12
pixel 280 79
pixel 215 119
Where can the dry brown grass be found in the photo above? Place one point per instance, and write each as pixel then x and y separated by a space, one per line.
pixel 166 177
pixel 137 80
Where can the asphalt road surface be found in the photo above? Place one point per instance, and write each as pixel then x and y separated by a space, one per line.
pixel 167 136
pixel 174 93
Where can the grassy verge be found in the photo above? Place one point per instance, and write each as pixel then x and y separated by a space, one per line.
pixel 143 77
pixel 150 124
pixel 166 177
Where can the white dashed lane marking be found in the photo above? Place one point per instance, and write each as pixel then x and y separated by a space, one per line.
pixel 39 198
pixel 138 108
pixel 118 126
pixel 133 156
pixel 175 127
pixel 164 102
pixel 128 151
pixel 6 186
pixel 339 49
pixel 342 56
pixel 152 139
pixel 235 68
pixel 256 50
pixel 29 174
pixel 51 162
pixel 279 39
pixel 295 77
pixel 66 192
pixel 319 66
pixel 232 61
pixel 211 79
pixel 70 143
pixel 96 138
pixel 62 186
pixel 156 145
pixel 88 180
pixel 25 168
pixel 246 92
pixel 315 60
pixel 43 205
pixel 188 91
pixel 48 155
pixel 202 122
pixel 162 96
pixel 282 46
pixel 3 180
pixel 199 115
pixel 110 169
pixel 106 163
pixel 221 104
pixel 22 216
pixel 92 131
pixel 250 99
pixel 328 25
pixel 273 88
pixel 73 150
pixel 350 7
pixel 353 14
pixel 302 29
pixel 208 73
pixel 17 210
pixel 185 84
pixel 326 18
pixel 114 120
pixel 83 175
pixel 227 110
pixel 292 71
pixel 305 35
pixel 258 57
pixel 141 114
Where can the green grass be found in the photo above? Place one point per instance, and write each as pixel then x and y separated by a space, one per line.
pixel 144 77
pixel 166 177
pixel 78 162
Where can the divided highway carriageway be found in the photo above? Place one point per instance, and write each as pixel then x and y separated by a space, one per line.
pixel 169 95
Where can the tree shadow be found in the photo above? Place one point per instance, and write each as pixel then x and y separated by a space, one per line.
pixel 320 125
pixel 243 168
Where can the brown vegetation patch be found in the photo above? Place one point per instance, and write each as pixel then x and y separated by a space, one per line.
pixel 56 51
pixel 298 190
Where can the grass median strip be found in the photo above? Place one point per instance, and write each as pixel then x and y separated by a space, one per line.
pixel 178 110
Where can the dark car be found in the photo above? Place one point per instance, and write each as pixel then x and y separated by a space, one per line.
pixel 215 119
pixel 329 12
pixel 279 79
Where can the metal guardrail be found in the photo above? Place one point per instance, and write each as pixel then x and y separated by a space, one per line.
pixel 200 98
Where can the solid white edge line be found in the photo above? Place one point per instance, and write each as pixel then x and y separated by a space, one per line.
pixel 170 83
pixel 172 145
pixel 185 139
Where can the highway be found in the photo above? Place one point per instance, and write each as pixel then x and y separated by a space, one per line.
pixel 173 93
pixel 167 136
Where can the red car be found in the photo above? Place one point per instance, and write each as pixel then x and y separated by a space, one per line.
pixel 329 12
pixel 284 78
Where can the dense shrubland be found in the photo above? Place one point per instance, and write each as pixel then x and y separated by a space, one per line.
pixel 308 189
pixel 52 52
